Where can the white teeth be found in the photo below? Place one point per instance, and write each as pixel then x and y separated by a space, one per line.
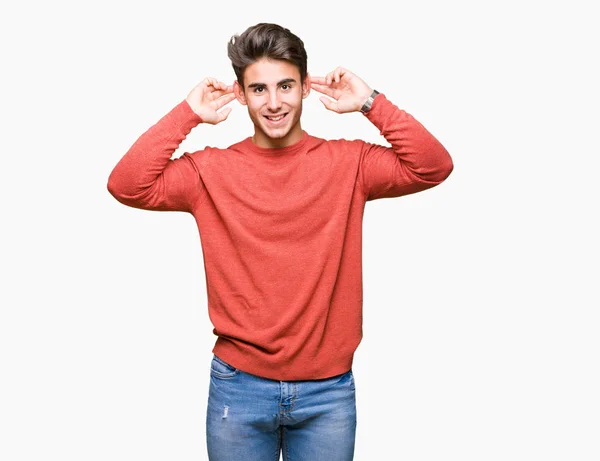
pixel 276 118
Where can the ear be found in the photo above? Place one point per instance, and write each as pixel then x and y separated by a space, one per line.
pixel 306 86
pixel 239 93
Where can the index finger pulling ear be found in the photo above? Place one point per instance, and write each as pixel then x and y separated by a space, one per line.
pixel 323 89
pixel 318 80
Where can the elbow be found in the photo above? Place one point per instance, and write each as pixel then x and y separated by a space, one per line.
pixel 126 193
pixel 113 186
pixel 117 189
pixel 440 169
pixel 446 168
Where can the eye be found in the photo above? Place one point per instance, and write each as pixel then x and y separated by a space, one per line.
pixel 285 86
pixel 258 89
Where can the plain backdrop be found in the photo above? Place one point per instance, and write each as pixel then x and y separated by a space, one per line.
pixel 480 295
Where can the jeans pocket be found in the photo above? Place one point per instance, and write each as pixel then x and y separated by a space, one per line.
pixel 221 369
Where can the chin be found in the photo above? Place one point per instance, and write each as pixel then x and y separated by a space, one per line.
pixel 276 134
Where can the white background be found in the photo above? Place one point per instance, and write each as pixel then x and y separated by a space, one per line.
pixel 480 295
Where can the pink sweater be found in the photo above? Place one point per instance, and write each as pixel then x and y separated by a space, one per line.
pixel 281 230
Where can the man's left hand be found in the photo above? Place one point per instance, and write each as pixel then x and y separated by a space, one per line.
pixel 348 91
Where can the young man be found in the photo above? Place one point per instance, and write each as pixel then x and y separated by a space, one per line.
pixel 280 221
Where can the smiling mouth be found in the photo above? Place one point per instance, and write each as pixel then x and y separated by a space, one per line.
pixel 277 118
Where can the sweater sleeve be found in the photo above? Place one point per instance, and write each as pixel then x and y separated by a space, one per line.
pixel 415 161
pixel 146 177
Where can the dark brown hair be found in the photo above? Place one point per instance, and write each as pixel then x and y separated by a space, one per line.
pixel 265 40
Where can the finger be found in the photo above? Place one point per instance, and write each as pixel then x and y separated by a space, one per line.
pixel 218 93
pixel 319 80
pixel 223 100
pixel 223 114
pixel 340 71
pixel 214 83
pixel 336 74
pixel 323 89
pixel 329 104
pixel 329 78
pixel 209 81
pixel 223 87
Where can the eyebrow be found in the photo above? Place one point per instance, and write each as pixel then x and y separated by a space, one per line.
pixel 281 82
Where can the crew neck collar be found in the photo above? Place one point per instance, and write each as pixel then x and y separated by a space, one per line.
pixel 276 151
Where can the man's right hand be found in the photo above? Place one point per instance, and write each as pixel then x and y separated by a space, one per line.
pixel 208 97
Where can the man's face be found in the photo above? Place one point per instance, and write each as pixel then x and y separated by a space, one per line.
pixel 273 94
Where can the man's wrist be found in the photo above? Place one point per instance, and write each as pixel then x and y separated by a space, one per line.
pixel 366 107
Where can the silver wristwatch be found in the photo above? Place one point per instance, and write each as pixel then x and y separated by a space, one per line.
pixel 366 107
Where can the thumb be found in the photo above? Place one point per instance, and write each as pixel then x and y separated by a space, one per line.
pixel 329 104
pixel 222 115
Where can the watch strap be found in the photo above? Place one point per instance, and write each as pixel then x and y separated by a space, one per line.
pixel 366 107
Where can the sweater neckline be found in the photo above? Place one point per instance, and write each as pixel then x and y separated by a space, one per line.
pixel 276 151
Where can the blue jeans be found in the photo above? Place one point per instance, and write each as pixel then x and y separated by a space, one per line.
pixel 251 418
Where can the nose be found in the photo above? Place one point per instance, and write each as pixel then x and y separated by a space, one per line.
pixel 273 103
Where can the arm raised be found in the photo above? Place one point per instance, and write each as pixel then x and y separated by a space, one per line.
pixel 146 177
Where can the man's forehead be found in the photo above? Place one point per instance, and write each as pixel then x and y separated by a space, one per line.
pixel 271 72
